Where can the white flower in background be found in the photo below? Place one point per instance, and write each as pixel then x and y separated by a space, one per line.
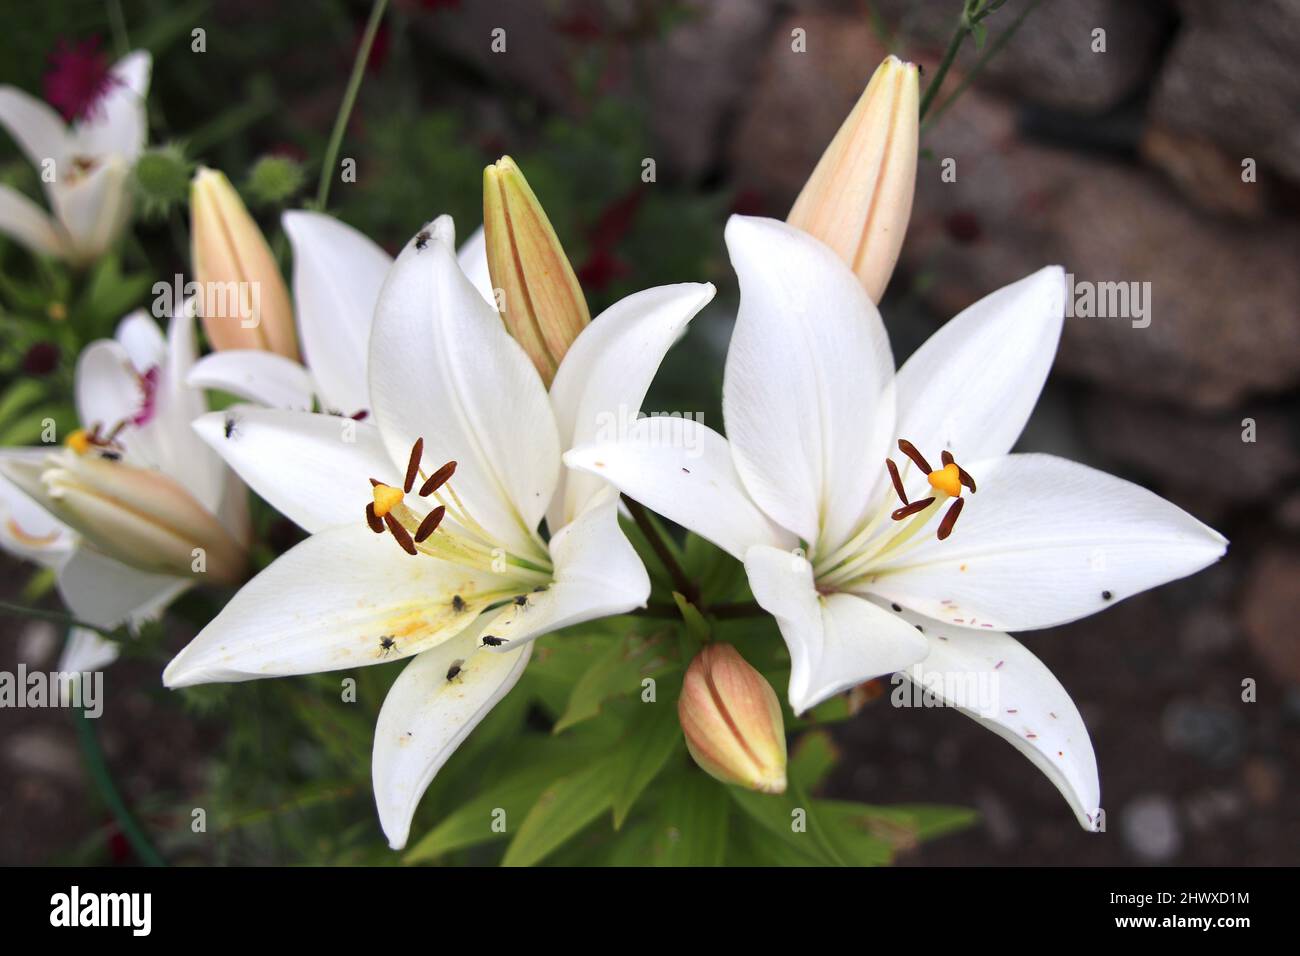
pixel 337 275
pixel 132 508
pixel 83 167
pixel 424 518
pixel 814 409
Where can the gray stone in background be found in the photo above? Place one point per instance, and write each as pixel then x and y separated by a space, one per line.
pixel 691 79
pixel 1231 76
pixel 1151 829
pixel 1270 610
pixel 1050 60
pixel 1161 443
pixel 798 101
pixel 1223 325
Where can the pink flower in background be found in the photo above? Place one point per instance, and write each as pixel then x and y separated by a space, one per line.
pixel 78 80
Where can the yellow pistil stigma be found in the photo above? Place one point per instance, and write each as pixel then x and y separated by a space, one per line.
pixel 78 441
pixel 947 479
pixel 386 499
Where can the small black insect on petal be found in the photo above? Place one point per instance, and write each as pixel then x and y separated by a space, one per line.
pixel 1106 595
pixel 422 239
pixel 454 670
pixel 896 607
pixel 521 599
pixel 490 641
pixel 458 604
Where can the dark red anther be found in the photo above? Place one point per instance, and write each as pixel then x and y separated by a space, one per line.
pixel 950 519
pixel 401 534
pixel 908 449
pixel 430 523
pixel 372 519
pixel 898 482
pixel 438 479
pixel 413 465
pixel 898 514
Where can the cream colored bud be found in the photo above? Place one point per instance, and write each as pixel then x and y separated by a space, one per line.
pixel 859 198
pixel 141 517
pixel 732 721
pixel 242 300
pixel 540 299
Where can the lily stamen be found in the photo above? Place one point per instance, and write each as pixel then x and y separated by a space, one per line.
pixel 463 540
pixel 948 481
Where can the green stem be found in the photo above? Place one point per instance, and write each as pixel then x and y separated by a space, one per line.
pixel 349 100
pixel 117 24
pixel 681 580
pixel 103 780
pixel 58 617
pixel 993 49
pixel 949 55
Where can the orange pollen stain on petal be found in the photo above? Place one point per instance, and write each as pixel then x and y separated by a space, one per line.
pixel 31 540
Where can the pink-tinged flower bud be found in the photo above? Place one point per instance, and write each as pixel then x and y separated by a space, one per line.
pixel 732 721
pixel 538 293
pixel 859 198
pixel 242 300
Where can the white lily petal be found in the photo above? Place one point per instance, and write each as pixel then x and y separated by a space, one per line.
pixel 164 439
pixel 807 394
pixel 836 641
pixel 1026 705
pixel 972 386
pixel 256 376
pixel 603 378
pixel 86 651
pixel 143 339
pixel 443 367
pixel 118 124
pixel 683 470
pixel 105 592
pixel 472 257
pixel 35 126
pixel 328 604
pixel 425 717
pixel 94 208
pixel 597 574
pixel 337 275
pixel 24 221
pixel 314 469
pixel 1046 541
pixel 108 388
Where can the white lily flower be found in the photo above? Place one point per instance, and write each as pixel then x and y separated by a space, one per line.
pixel 84 167
pixel 424 518
pixel 119 510
pixel 861 582
pixel 337 274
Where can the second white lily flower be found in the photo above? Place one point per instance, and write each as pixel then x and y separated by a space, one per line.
pixel 867 574
pixel 425 517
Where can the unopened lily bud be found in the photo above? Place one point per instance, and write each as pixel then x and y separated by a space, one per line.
pixel 859 198
pixel 538 293
pixel 732 721
pixel 139 516
pixel 243 301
